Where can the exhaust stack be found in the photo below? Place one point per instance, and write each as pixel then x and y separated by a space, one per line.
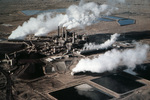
pixel 62 32
pixel 58 31
pixel 73 37
pixel 66 35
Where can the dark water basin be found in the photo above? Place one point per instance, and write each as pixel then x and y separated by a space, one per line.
pixel 80 92
pixel 142 71
pixel 118 83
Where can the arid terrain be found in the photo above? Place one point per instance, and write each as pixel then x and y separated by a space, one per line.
pixel 11 17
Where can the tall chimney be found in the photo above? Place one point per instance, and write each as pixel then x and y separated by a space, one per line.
pixel 66 34
pixel 62 32
pixel 73 37
pixel 58 31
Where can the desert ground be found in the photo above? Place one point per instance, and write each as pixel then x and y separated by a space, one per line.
pixel 11 17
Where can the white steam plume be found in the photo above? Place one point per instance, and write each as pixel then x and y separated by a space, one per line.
pixel 76 16
pixel 87 91
pixel 43 24
pixel 84 15
pixel 111 60
pixel 105 45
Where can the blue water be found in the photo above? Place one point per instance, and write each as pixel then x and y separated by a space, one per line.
pixel 105 19
pixel 123 22
pixel 30 12
pixel 113 17
pixel 36 12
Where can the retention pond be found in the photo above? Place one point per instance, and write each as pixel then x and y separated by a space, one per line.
pixel 81 92
pixel 118 83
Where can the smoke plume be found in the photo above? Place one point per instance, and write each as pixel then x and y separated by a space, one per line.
pixel 112 59
pixel 105 45
pixel 78 16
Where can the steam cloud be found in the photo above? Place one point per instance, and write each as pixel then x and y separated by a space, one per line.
pixel 84 15
pixel 111 59
pixel 79 16
pixel 87 91
pixel 105 45
pixel 43 24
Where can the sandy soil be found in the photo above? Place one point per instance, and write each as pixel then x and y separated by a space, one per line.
pixel 11 18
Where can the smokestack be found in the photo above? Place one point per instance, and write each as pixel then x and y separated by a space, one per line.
pixel 73 37
pixel 62 32
pixel 65 34
pixel 58 31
